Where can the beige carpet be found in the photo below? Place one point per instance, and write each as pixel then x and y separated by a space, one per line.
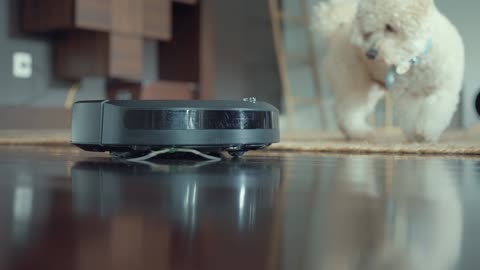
pixel 34 137
pixel 392 142
pixel 465 142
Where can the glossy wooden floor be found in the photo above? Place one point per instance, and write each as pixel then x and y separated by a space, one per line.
pixel 64 209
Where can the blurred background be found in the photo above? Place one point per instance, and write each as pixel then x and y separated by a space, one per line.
pixel 55 52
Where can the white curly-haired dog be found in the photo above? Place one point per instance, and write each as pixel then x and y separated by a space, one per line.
pixel 404 46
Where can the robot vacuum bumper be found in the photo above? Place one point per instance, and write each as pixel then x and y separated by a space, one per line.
pixel 208 126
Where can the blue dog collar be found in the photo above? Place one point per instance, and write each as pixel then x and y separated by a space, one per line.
pixel 392 73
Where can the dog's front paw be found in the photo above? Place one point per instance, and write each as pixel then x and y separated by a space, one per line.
pixel 420 138
pixel 431 120
pixel 360 134
pixel 424 132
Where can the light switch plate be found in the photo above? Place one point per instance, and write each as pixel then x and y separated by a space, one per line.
pixel 22 65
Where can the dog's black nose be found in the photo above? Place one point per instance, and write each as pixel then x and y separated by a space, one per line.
pixel 372 54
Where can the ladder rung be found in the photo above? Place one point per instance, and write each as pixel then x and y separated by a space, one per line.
pixel 293 19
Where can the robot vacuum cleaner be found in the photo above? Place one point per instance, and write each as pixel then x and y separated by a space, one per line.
pixel 138 127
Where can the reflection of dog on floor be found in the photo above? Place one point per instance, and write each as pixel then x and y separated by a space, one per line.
pixel 413 222
pixel 404 46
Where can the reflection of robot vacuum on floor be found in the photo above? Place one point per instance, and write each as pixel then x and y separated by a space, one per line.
pixel 224 209
pixel 229 190
pixel 141 127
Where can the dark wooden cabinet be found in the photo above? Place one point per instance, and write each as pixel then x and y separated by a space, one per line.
pixel 78 54
pixel 104 38
pixel 99 37
pixel 92 14
pixel 179 58
pixel 189 2
pixel 151 18
pixel 56 15
pixel 81 53
pixel 127 17
pixel 157 19
pixel 47 15
pixel 188 56
pixel 126 57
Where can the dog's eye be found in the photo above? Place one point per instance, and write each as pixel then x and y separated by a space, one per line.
pixel 390 28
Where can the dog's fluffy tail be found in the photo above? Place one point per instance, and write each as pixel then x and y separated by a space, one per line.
pixel 330 15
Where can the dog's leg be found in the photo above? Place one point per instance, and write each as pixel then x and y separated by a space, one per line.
pixel 425 119
pixel 435 116
pixel 354 110
pixel 356 95
pixel 407 109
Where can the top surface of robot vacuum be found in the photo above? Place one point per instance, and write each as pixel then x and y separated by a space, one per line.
pixel 128 126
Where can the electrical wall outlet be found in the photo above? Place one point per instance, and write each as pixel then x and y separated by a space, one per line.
pixel 22 65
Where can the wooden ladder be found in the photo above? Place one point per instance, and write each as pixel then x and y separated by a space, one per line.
pixel 278 18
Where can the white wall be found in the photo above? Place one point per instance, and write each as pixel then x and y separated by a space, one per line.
pixel 465 15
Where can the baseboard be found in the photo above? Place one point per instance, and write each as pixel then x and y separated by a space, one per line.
pixel 25 118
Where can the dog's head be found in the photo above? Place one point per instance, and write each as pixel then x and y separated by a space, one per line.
pixel 392 30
